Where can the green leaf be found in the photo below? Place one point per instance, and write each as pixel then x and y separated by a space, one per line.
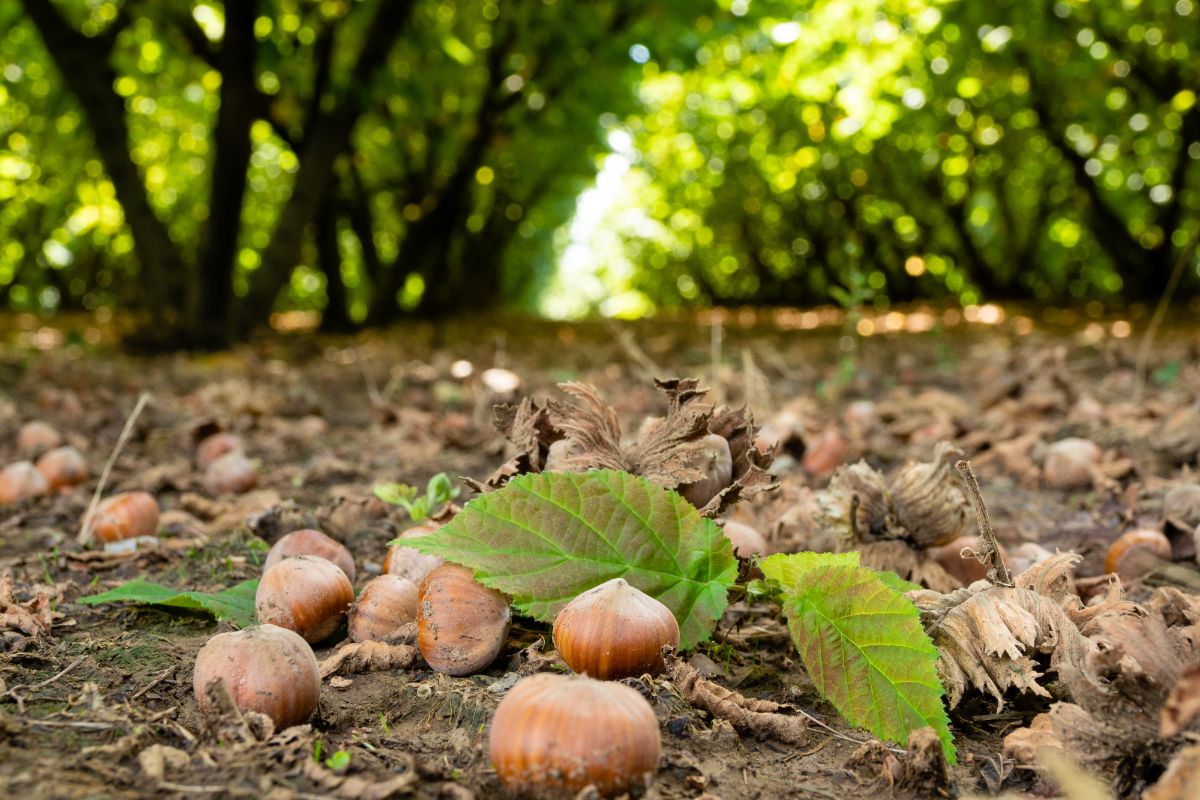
pixel 895 582
pixel 338 761
pixel 862 644
pixel 544 538
pixel 396 494
pixel 235 604
pixel 455 48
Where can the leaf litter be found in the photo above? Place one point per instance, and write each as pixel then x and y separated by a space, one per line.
pixel 1036 394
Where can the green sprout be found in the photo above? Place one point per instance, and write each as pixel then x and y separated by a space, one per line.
pixel 439 491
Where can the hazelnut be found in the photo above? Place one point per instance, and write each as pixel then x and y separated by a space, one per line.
pixel 716 462
pixel 126 516
pixel 213 447
pixel 232 473
pixel 747 541
pixel 63 467
pixel 267 669
pixel 461 624
pixel 405 562
pixel 309 542
pixel 386 603
pixel 305 594
pixel 553 735
pixel 35 438
pixel 1136 552
pixel 1068 463
pixel 21 481
pixel 614 631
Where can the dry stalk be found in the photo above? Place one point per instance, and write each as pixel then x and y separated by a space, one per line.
pixel 990 548
pixel 85 532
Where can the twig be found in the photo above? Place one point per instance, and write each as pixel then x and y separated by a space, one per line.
pixel 716 336
pixel 372 390
pixel 85 532
pixel 152 684
pixel 1160 313
pixel 999 572
pixel 634 351
pixel 855 502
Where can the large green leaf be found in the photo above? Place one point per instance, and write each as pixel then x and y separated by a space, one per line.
pixel 235 604
pixel 862 644
pixel 544 538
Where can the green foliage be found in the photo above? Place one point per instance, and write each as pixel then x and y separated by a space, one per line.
pixel 545 538
pixel 862 644
pixel 438 492
pixel 235 604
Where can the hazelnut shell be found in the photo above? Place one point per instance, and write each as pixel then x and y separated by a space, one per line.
pixel 461 624
pixel 126 516
pixel 405 562
pixel 1135 552
pixel 614 631
pixel 385 603
pixel 305 594
pixel 63 467
pixel 21 481
pixel 267 669
pixel 310 542
pixel 552 735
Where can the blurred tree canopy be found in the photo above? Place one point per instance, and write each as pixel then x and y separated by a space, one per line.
pixel 207 163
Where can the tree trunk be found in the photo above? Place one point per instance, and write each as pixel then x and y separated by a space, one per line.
pixel 336 317
pixel 211 294
pixel 325 139
pixel 84 64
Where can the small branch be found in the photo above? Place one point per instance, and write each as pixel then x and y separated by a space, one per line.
pixel 1160 313
pixel 991 548
pixel 85 533
pixel 855 502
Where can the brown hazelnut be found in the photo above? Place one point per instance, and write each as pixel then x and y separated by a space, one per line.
pixel 747 541
pixel 232 473
pixel 405 562
pixel 553 735
pixel 385 604
pixel 126 516
pixel 826 452
pixel 267 669
pixel 967 570
pixel 717 464
pixel 63 467
pixel 213 447
pixel 35 438
pixel 21 481
pixel 1136 552
pixel 309 542
pixel 1068 463
pixel 305 594
pixel 614 631
pixel 461 624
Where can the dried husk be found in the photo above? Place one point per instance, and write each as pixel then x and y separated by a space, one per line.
pixel 928 501
pixel 1134 664
pixel 584 433
pixel 922 504
pixel 989 637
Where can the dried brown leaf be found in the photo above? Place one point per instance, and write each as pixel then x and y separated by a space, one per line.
pixel 1181 711
pixel 369 656
pixel 760 717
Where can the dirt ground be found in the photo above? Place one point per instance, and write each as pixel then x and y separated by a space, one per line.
pixel 82 708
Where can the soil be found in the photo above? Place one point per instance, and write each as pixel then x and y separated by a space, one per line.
pixel 82 707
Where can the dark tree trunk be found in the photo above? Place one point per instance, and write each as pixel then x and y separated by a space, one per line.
pixel 84 64
pixel 211 298
pixel 326 137
pixel 336 317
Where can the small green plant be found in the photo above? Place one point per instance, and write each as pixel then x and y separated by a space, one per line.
pixel 438 492
pixel 546 537
pixel 338 761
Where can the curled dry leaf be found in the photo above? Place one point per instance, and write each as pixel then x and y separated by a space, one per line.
pixel 1022 745
pixel 1178 439
pixel 917 566
pixel 1182 708
pixel 989 638
pixel 673 451
pixel 922 504
pixel 33 618
pixel 369 656
pixel 760 717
